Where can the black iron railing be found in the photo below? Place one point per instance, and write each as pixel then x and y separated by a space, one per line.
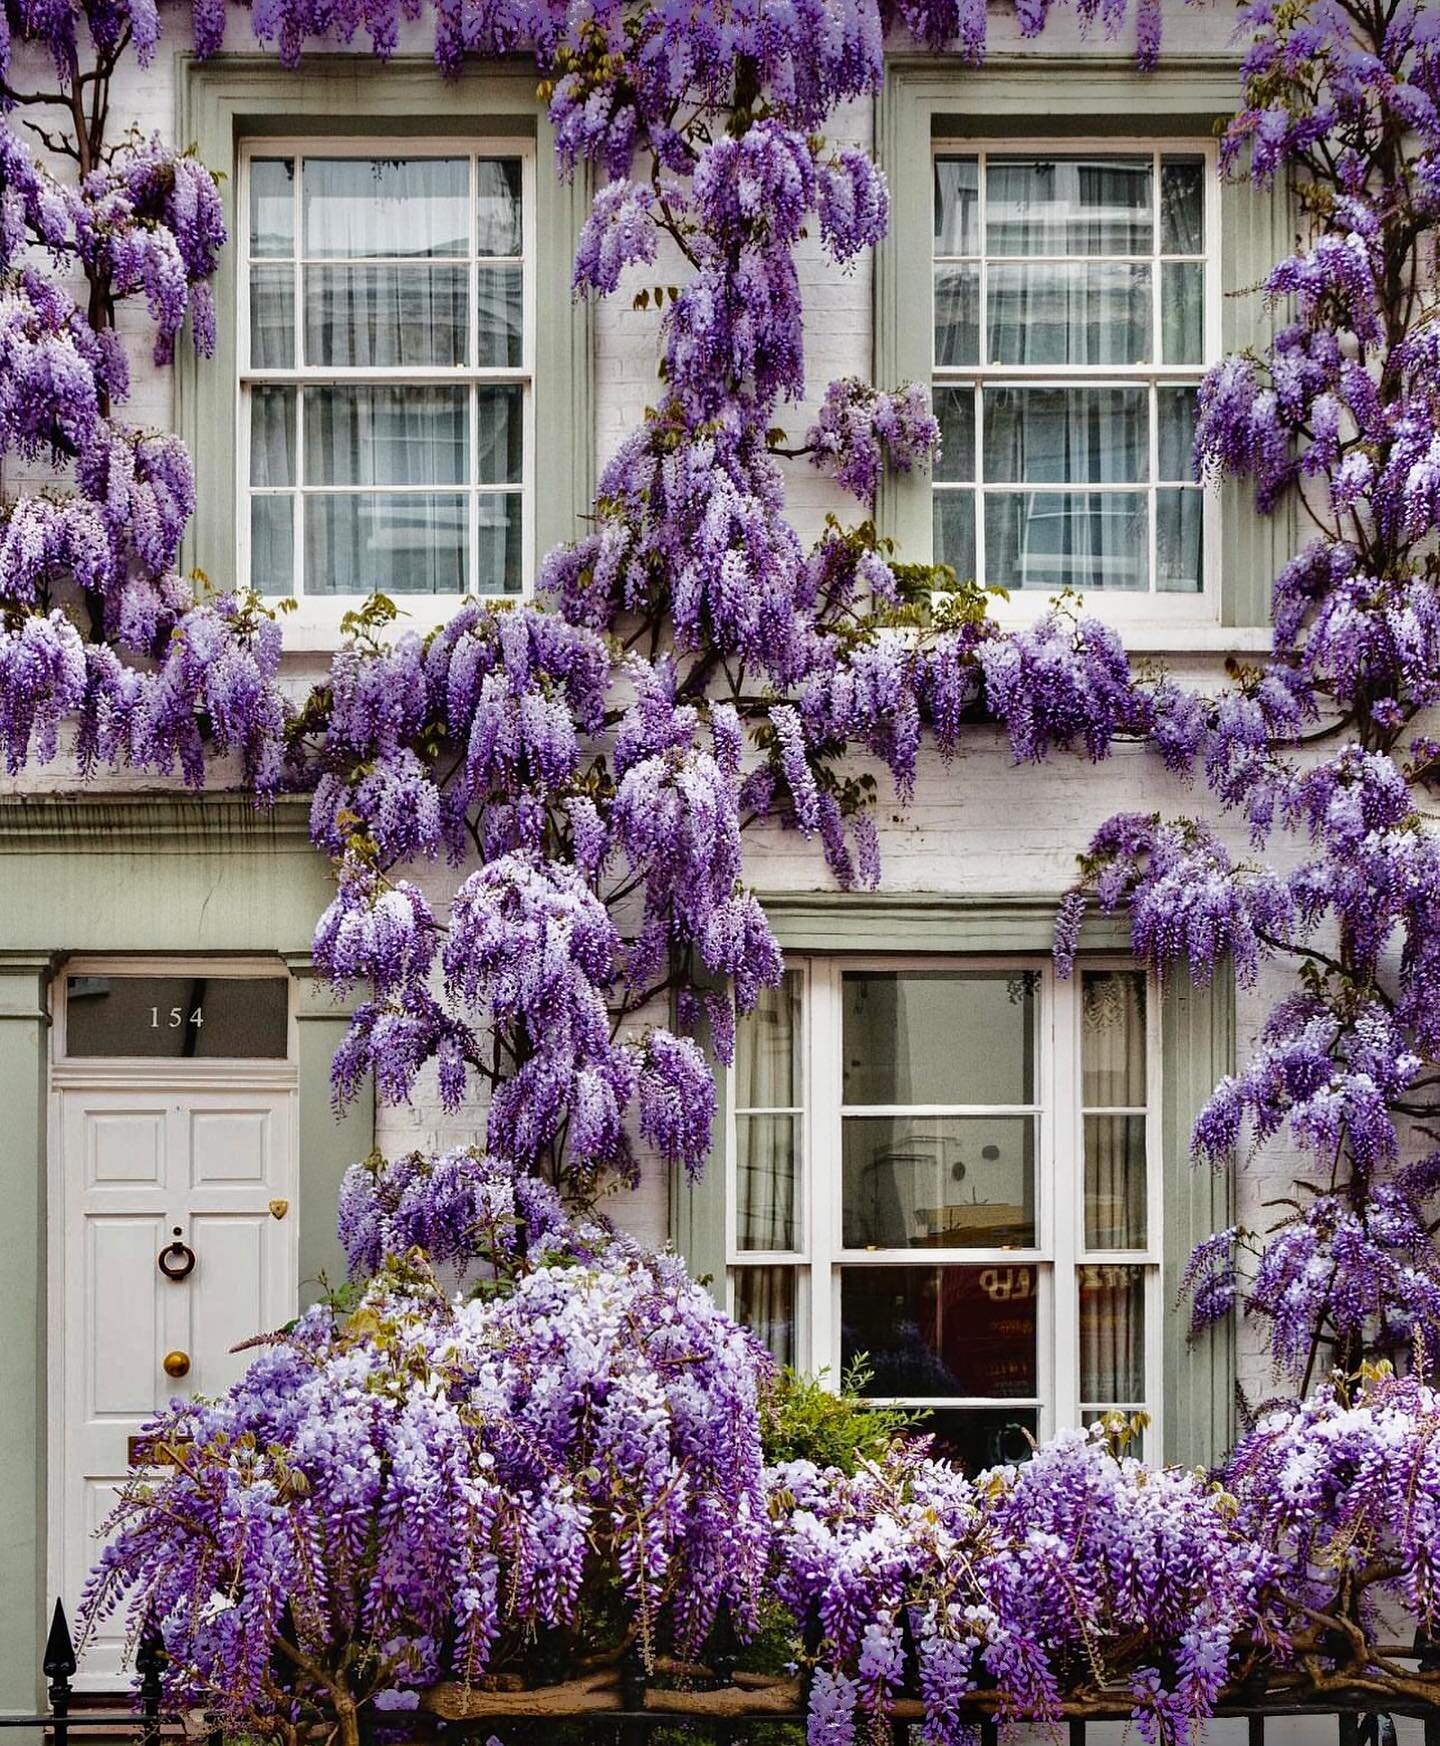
pixel 637 1710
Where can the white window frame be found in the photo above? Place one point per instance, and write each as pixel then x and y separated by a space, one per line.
pixel 1122 606
pixel 1059 1252
pixel 424 611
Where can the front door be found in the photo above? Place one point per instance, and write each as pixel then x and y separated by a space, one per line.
pixel 176 1230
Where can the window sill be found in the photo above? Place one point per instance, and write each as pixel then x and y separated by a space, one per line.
pixel 314 627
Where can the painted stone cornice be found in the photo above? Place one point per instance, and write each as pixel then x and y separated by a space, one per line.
pixel 89 822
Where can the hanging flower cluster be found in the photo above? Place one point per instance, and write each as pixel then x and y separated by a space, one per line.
pixel 583 1446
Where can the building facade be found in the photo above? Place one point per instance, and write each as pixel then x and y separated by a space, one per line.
pixel 934 1152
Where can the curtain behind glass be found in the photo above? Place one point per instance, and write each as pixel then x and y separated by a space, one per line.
pixel 767 1078
pixel 1113 1079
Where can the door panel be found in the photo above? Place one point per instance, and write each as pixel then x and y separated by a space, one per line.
pixel 136 1168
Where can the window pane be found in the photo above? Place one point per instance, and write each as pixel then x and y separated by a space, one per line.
pixel 501 552
pixel 386 206
pixel 1176 409
pixel 928 1332
pixel 766 1150
pixel 500 433
pixel 954 532
pixel 1067 539
pixel 272 318
pixel 955 409
pixel 1182 206
pixel 1182 312
pixel 767 1049
pixel 765 1303
pixel 357 543
pixel 237 1018
pixel 272 206
pixel 957 206
pixel 385 317
pixel 977 1438
pixel 957 315
pixel 1062 436
pixel 1068 206
pixel 272 436
pixel 938 1036
pixel 1112 1039
pixel 501 318
pixel 272 545
pixel 386 436
pixel 1069 312
pixel 1179 540
pixel 1115 1183
pixel 1112 1336
pixel 497 207
pixel 939 1182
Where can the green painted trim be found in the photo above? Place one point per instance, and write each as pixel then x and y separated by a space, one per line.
pixel 233 97
pixel 330 1141
pixel 851 921
pixel 1197 1028
pixel 924 96
pixel 24 1025
pixel 71 823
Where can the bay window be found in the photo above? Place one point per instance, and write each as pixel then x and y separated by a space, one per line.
pixel 1075 306
pixel 385 368
pixel 942 1171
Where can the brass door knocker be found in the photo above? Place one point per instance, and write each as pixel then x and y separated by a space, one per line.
pixel 176 1260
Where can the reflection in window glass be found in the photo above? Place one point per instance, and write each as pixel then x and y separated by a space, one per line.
pixel 938 1332
pixel 938 1037
pixel 939 1182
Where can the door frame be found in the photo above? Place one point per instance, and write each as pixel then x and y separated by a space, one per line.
pixel 121 1072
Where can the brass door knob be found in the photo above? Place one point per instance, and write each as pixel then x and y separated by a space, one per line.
pixel 176 1364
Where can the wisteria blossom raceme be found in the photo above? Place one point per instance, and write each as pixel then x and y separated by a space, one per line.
pixel 583 1444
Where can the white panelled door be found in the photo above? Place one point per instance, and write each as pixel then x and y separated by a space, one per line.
pixel 157 1160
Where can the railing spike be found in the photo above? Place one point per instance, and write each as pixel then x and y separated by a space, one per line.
pixel 59 1662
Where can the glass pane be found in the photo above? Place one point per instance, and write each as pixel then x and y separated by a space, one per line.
pixel 957 315
pixel 356 207
pixel 957 206
pixel 1080 436
pixel 500 434
pixel 358 543
pixel 1112 1039
pixel 767 1049
pixel 955 409
pixel 1115 1182
pixel 1070 312
pixel 272 545
pixel 497 207
pixel 1182 312
pixel 976 1438
pixel 386 436
pixel 234 1018
pixel 935 1331
pixel 500 552
pixel 501 318
pixel 766 1151
pixel 938 1182
pixel 1176 411
pixel 1067 539
pixel 765 1303
pixel 954 532
pixel 1182 206
pixel 385 317
pixel 272 206
pixel 272 436
pixel 272 318
pixel 1112 1336
pixel 939 1036
pixel 1068 206
pixel 1179 540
